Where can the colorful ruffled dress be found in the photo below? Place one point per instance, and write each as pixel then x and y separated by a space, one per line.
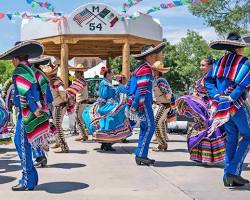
pixel 202 146
pixel 105 119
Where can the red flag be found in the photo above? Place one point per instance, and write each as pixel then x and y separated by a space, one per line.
pixel 113 22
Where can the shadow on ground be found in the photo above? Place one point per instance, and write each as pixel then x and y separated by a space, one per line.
pixel 6 179
pixel 78 151
pixel 66 165
pixel 184 164
pixel 9 166
pixel 61 187
pixel 119 150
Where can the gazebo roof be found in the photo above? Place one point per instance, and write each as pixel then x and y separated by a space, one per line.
pixel 93 30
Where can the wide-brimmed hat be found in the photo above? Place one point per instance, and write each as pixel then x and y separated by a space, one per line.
pixel 78 68
pixel 159 66
pixel 41 60
pixel 31 49
pixel 50 70
pixel 232 42
pixel 246 38
pixel 147 50
pixel 57 61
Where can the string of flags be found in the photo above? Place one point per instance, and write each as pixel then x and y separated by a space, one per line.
pixel 58 17
pixel 26 15
pixel 170 4
pixel 55 18
pixel 46 5
pixel 129 4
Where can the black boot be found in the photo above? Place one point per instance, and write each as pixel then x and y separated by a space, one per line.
pixel 144 161
pixel 231 180
pixel 110 148
pixel 40 162
pixel 20 187
pixel 244 180
pixel 102 146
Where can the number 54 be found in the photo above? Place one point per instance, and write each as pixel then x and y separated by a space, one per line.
pixel 93 26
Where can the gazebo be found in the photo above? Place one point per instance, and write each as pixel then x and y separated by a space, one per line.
pixel 93 30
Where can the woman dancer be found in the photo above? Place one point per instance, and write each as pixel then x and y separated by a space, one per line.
pixel 105 119
pixel 202 146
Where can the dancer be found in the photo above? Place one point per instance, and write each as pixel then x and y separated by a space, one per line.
pixel 162 103
pixel 227 83
pixel 45 100
pixel 60 106
pixel 121 88
pixel 105 119
pixel 32 124
pixel 78 91
pixel 203 147
pixel 5 136
pixel 140 100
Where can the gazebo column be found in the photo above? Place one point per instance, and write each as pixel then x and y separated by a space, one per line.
pixel 126 60
pixel 64 64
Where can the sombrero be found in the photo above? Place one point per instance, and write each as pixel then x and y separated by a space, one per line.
pixel 159 66
pixel 147 50
pixel 232 42
pixel 41 60
pixel 57 61
pixel 246 38
pixel 78 67
pixel 49 70
pixel 31 49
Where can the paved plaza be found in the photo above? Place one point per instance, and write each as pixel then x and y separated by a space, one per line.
pixel 87 173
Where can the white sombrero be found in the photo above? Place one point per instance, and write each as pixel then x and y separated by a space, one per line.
pixel 147 50
pixel 159 66
pixel 78 67
pixel 31 49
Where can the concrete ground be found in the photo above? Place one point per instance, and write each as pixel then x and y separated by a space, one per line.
pixel 87 173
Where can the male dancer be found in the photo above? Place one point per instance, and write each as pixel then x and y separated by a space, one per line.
pixel 78 90
pixel 45 100
pixel 227 83
pixel 140 100
pixel 32 125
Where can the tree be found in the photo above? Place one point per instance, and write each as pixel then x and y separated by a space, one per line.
pixel 224 15
pixel 116 64
pixel 247 52
pixel 6 69
pixel 184 60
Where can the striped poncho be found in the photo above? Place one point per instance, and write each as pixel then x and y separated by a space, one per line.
pixel 235 68
pixel 76 86
pixel 37 128
pixel 139 86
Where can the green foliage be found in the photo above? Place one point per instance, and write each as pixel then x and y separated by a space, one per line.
pixel 224 15
pixel 6 69
pixel 247 52
pixel 184 60
pixel 116 64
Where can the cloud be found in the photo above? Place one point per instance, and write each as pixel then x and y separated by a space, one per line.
pixel 175 35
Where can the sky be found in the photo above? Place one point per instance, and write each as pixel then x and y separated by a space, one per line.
pixel 175 21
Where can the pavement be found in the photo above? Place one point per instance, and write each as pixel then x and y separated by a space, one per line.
pixel 86 173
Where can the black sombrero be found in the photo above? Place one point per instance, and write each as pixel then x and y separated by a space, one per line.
pixel 246 38
pixel 41 60
pixel 31 49
pixel 232 42
pixel 147 50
